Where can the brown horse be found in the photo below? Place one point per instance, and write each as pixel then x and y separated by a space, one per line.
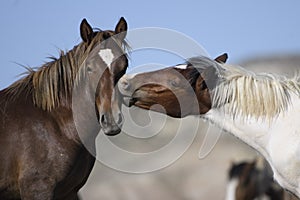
pixel 41 151
pixel 261 109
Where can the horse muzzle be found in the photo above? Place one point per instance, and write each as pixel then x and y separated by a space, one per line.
pixel 109 125
pixel 111 130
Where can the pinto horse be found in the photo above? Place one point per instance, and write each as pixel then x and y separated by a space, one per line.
pixel 42 154
pixel 165 87
pixel 260 109
pixel 248 181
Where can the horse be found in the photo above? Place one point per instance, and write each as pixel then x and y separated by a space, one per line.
pixel 247 181
pixel 260 109
pixel 42 155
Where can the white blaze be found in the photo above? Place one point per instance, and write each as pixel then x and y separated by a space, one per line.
pixel 184 66
pixel 107 56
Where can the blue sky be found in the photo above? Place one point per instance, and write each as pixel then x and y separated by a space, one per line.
pixel 33 30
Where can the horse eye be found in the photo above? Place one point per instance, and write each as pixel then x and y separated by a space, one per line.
pixel 174 83
pixel 90 69
pixel 203 85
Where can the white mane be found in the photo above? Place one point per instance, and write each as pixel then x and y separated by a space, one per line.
pixel 253 95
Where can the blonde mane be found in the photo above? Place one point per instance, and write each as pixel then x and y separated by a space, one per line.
pixel 51 85
pixel 247 94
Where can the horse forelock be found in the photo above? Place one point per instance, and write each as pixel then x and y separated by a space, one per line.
pixel 248 94
pixel 52 84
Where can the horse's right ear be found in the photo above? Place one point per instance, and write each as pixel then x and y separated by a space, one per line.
pixel 86 31
pixel 121 29
pixel 222 58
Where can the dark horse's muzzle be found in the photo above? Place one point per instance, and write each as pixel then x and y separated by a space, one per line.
pixel 109 125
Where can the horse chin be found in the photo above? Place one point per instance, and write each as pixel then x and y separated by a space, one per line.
pixel 111 131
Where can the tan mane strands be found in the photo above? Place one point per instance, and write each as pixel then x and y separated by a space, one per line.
pixel 53 82
pixel 253 95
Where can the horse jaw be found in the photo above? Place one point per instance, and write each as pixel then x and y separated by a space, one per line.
pixel 277 140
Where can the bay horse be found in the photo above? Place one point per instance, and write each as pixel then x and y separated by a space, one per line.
pixel 43 157
pixel 247 181
pixel 260 109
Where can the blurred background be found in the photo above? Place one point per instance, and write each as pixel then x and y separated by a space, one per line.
pixel 259 35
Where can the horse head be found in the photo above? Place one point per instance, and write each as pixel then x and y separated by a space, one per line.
pixel 181 90
pixel 103 67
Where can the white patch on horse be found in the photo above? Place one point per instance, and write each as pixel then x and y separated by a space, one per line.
pixel 107 56
pixel 231 188
pixel 183 66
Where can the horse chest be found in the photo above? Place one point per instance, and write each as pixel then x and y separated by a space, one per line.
pixel 284 150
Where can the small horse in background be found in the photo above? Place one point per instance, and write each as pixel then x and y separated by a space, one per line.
pixel 262 110
pixel 42 154
pixel 246 181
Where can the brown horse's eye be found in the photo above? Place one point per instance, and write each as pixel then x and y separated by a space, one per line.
pixel 89 69
pixel 203 85
pixel 174 83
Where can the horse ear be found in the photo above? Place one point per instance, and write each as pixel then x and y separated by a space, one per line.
pixel 86 31
pixel 222 58
pixel 121 29
pixel 210 74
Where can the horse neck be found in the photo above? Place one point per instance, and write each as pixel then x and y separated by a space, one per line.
pixel 255 132
pixel 277 140
pixel 58 78
pixel 247 131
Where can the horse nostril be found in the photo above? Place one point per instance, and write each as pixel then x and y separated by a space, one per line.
pixel 103 120
pixel 120 119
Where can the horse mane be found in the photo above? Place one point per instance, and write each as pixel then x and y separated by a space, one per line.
pixel 51 85
pixel 258 95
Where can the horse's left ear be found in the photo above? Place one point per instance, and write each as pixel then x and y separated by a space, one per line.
pixel 86 31
pixel 222 58
pixel 121 29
